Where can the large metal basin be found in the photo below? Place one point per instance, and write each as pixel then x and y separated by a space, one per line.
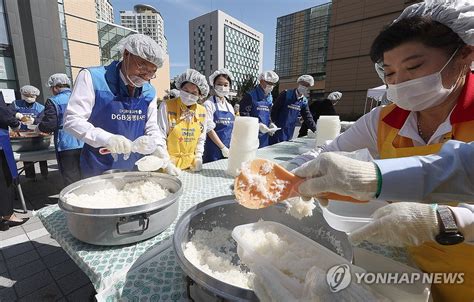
pixel 30 143
pixel 119 226
pixel 225 212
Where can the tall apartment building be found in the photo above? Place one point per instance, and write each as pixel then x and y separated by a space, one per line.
pixel 217 40
pixel 146 20
pixel 301 47
pixel 353 27
pixel 104 10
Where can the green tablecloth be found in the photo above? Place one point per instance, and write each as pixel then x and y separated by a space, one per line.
pixel 148 270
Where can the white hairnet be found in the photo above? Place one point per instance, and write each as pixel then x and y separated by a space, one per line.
pixel 307 79
pixel 217 73
pixel 29 90
pixel 58 79
pixel 144 47
pixel 458 15
pixel 195 77
pixel 335 96
pixel 174 93
pixel 269 76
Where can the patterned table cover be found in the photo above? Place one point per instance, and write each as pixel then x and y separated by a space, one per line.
pixel 148 270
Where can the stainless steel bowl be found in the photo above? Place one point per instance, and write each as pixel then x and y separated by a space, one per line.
pixel 125 225
pixel 225 212
pixel 30 143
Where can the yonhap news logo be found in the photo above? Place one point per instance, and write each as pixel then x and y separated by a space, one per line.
pixel 339 277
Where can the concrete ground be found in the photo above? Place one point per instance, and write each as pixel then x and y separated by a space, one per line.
pixel 33 267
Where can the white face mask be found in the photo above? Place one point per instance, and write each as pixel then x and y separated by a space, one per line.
pixel 421 93
pixel 29 99
pixel 268 89
pixel 222 91
pixel 302 90
pixel 188 99
pixel 136 81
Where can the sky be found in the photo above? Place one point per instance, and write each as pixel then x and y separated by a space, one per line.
pixel 258 14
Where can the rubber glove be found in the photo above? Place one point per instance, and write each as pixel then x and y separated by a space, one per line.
pixel 150 163
pixel 400 224
pixel 311 134
pixel 263 128
pixel 18 116
pixel 332 172
pixel 144 145
pixel 172 170
pixel 197 164
pixel 119 144
pixel 225 152
pixel 272 129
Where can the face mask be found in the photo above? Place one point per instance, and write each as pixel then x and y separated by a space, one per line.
pixel 222 91
pixel 302 90
pixel 29 99
pixel 188 99
pixel 422 93
pixel 268 89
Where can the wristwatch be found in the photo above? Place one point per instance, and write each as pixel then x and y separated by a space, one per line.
pixel 448 230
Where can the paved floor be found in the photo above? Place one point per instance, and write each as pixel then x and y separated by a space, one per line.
pixel 33 267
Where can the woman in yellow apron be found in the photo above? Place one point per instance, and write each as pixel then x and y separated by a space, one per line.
pixel 426 56
pixel 182 123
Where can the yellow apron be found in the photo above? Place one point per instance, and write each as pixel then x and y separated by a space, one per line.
pixel 432 257
pixel 186 125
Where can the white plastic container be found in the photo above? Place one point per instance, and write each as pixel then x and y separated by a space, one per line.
pixel 243 144
pixel 328 127
pixel 348 216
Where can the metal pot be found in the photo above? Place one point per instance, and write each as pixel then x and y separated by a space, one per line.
pixel 121 225
pixel 30 143
pixel 226 212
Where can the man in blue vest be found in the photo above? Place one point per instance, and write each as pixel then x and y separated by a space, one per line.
pixel 68 148
pixel 289 105
pixel 258 103
pixel 115 107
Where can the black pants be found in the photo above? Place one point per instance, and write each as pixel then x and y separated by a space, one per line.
pixel 69 165
pixel 7 188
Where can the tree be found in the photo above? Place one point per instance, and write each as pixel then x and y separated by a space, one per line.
pixel 246 86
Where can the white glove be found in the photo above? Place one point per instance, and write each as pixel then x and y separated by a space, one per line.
pixel 172 170
pixel 225 152
pixel 197 164
pixel 263 128
pixel 119 144
pixel 272 129
pixel 311 134
pixel 334 96
pixel 150 163
pixel 18 116
pixel 144 145
pixel 331 172
pixel 400 224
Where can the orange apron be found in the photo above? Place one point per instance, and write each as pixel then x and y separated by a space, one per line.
pixel 432 257
pixel 186 125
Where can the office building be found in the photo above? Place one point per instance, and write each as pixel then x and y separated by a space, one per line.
pixel 104 10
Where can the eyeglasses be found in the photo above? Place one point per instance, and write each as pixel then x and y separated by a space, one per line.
pixel 143 71
pixel 269 83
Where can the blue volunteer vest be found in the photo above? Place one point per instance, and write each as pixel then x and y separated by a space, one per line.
pixel 224 124
pixel 6 146
pixel 62 140
pixel 117 113
pixel 261 106
pixel 287 117
pixel 24 108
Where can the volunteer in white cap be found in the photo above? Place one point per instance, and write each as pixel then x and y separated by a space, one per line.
pixel 258 103
pixel 114 106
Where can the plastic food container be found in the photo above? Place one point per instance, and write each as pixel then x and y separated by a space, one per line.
pixel 348 216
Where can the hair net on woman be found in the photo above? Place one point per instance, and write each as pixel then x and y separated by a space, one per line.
pixel 269 76
pixel 458 15
pixel 144 47
pixel 307 79
pixel 29 90
pixel 58 79
pixel 195 77
pixel 217 73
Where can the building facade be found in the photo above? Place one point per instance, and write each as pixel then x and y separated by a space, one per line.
pixel 104 10
pixel 301 47
pixel 353 27
pixel 146 20
pixel 217 40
